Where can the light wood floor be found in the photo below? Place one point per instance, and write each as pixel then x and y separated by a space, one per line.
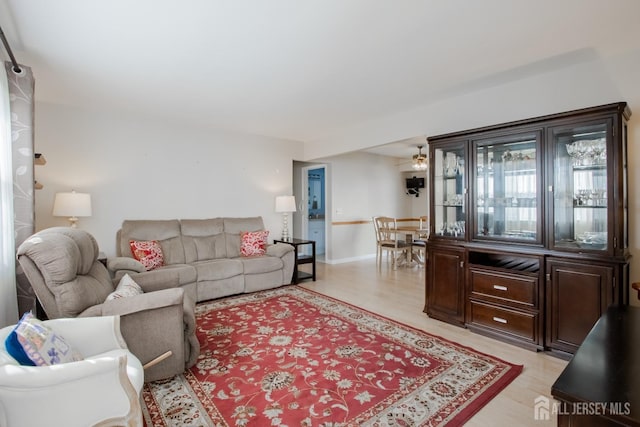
pixel 399 295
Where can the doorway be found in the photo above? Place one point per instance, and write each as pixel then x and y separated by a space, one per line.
pixel 315 221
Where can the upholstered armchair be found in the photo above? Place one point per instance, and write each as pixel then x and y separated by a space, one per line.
pixel 102 389
pixel 62 266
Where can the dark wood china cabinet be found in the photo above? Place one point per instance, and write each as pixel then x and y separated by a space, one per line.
pixel 529 238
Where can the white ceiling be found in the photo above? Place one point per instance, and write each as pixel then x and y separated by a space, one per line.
pixel 295 69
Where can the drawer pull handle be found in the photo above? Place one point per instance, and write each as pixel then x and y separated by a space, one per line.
pixel 500 288
pixel 499 320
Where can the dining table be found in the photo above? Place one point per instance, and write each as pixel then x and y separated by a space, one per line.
pixel 410 232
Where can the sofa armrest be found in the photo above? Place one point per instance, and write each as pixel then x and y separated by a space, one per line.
pixel 143 302
pixel 155 323
pixel 285 252
pixel 65 394
pixel 90 335
pixel 279 249
pixel 189 317
pixel 156 280
pixel 127 264
pixel 20 377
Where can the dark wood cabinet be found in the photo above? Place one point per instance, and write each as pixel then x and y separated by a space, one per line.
pixel 503 297
pixel 577 295
pixel 445 289
pixel 529 226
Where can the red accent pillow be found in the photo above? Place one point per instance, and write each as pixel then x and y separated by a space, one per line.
pixel 149 253
pixel 253 242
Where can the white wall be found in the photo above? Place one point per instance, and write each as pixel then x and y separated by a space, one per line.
pixel 138 168
pixel 364 185
pixel 361 185
pixel 418 206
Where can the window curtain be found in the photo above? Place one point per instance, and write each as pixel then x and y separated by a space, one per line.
pixel 8 302
pixel 21 89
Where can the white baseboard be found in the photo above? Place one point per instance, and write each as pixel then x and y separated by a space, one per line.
pixel 344 260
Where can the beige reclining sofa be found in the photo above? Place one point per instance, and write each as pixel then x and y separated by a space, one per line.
pixel 205 255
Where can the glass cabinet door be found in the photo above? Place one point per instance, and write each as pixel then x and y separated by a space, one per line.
pixel 449 191
pixel 506 189
pixel 580 187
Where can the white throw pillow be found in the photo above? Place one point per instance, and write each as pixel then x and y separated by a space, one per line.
pixel 127 287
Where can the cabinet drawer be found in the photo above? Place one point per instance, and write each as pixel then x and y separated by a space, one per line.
pixel 510 287
pixel 521 324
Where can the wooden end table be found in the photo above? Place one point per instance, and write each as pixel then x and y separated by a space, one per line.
pixel 301 258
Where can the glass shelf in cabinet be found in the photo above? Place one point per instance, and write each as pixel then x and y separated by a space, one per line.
pixel 589 167
pixel 452 229
pixel 454 200
pixel 509 202
pixel 590 198
pixel 519 235
pixel 520 172
pixel 572 244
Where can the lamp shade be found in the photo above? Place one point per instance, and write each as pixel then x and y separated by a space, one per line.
pixel 285 204
pixel 72 204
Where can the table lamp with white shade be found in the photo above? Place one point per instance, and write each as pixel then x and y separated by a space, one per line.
pixel 72 205
pixel 284 205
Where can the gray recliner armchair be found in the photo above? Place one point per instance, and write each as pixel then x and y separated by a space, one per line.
pixel 62 265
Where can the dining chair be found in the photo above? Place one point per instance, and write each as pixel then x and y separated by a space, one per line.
pixel 374 220
pixel 423 231
pixel 388 241
pixel 420 241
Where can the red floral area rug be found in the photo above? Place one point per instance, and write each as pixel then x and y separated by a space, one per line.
pixel 292 357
